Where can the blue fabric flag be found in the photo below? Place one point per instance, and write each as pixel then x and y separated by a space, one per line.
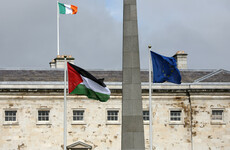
pixel 165 69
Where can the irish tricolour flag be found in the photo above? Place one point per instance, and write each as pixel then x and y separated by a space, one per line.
pixel 82 82
pixel 67 9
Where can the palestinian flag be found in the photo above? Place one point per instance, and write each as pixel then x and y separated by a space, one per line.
pixel 82 82
pixel 67 9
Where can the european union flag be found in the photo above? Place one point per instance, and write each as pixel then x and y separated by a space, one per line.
pixel 165 69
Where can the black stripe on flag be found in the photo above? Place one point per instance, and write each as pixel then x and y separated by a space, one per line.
pixel 87 75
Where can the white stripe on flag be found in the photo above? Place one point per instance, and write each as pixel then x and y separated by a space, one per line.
pixel 95 86
pixel 68 9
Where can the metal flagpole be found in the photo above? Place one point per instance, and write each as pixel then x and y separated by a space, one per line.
pixel 150 101
pixel 65 106
pixel 57 28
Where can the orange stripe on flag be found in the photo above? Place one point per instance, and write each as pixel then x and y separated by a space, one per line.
pixel 74 8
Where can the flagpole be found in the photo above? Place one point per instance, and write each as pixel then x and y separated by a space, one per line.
pixel 150 101
pixel 65 106
pixel 57 28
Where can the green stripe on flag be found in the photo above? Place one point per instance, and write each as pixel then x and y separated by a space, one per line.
pixel 82 90
pixel 61 8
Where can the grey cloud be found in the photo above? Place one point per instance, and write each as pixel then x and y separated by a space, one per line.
pixel 94 37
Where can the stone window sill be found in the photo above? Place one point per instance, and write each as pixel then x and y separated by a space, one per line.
pixel 113 123
pixel 78 123
pixel 176 123
pixel 218 123
pixel 10 123
pixel 146 122
pixel 43 123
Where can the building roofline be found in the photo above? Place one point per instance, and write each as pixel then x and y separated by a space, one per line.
pixel 59 69
pixel 30 68
pixel 114 83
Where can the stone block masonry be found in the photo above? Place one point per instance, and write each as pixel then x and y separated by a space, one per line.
pixel 132 119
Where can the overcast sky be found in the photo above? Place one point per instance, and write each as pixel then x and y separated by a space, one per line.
pixel 94 35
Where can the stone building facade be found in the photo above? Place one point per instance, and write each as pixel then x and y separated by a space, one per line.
pixel 191 116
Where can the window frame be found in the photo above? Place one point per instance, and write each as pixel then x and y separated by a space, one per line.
pixel 75 122
pixel 146 121
pixel 16 122
pixel 218 122
pixel 174 122
pixel 118 121
pixel 43 122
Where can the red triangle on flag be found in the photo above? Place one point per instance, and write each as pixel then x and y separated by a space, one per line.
pixel 74 78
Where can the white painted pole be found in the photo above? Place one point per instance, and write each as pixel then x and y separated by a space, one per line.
pixel 65 107
pixel 57 28
pixel 150 102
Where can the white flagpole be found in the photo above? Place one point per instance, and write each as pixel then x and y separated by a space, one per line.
pixel 65 107
pixel 150 101
pixel 57 28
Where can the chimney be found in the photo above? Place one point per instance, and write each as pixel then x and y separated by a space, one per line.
pixel 59 61
pixel 181 58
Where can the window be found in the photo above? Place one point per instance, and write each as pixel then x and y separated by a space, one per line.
pixel 43 115
pixel 112 115
pixel 10 116
pixel 146 115
pixel 175 115
pixel 78 115
pixel 217 115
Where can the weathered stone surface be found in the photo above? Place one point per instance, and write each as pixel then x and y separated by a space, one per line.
pixel 95 131
pixel 132 119
pixel 28 134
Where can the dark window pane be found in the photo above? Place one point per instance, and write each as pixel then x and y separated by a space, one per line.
pixel 74 118
pixel 145 115
pixel 10 115
pixel 112 115
pixel 43 115
pixel 175 115
pixel 14 119
pixel 78 115
pixel 217 114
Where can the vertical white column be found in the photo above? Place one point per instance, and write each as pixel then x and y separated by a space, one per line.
pixel 65 106
pixel 57 28
pixel 150 101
